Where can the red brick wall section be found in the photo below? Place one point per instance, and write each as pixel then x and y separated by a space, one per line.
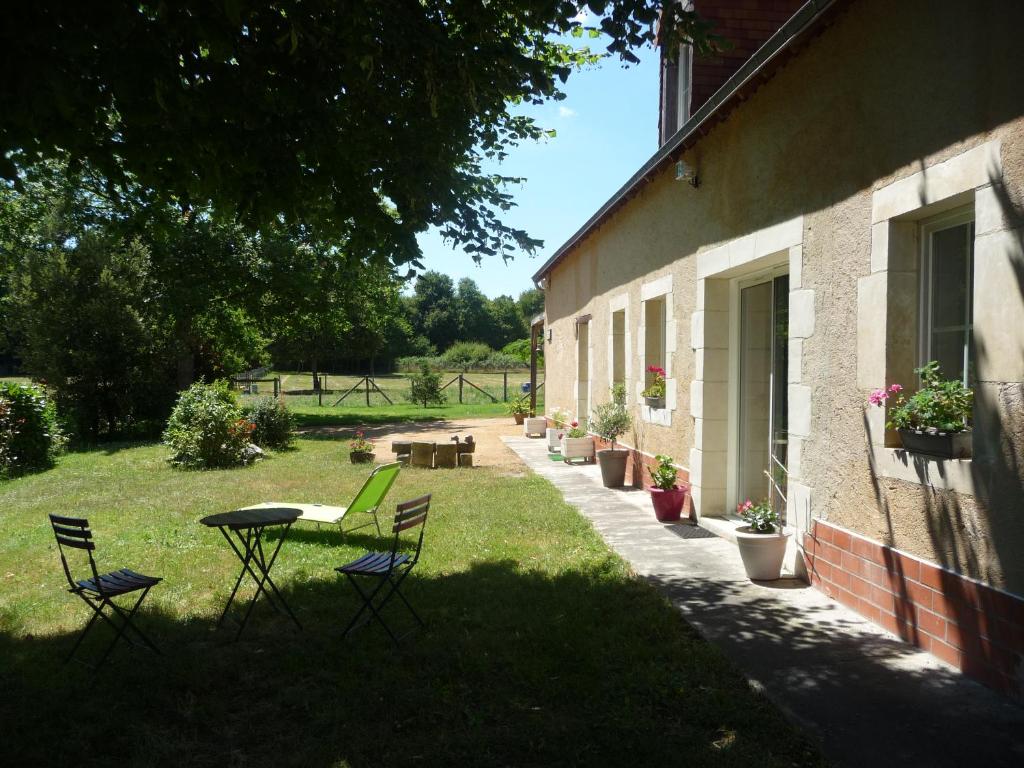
pixel 747 24
pixel 972 626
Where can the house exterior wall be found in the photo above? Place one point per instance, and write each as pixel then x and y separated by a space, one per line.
pixel 883 97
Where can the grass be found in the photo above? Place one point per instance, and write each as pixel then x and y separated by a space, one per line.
pixel 540 649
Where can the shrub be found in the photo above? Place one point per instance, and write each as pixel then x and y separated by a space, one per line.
pixel 273 424
pixel 207 430
pixel 30 435
pixel 464 355
pixel 664 475
pixel 425 388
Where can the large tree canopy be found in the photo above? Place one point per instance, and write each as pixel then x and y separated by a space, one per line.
pixel 367 119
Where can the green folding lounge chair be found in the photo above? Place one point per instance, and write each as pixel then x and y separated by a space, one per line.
pixel 369 499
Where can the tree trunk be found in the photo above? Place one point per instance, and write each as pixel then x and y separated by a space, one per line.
pixel 186 370
pixel 316 378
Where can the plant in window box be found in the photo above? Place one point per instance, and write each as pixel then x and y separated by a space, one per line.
pixel 936 419
pixel 610 422
pixel 667 497
pixel 560 417
pixel 761 542
pixel 577 444
pixel 654 395
pixel 360 450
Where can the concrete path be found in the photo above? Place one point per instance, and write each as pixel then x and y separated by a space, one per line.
pixel 870 698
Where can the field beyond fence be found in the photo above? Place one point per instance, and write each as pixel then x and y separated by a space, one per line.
pixel 351 391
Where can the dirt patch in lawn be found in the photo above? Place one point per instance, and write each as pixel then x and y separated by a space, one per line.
pixel 487 433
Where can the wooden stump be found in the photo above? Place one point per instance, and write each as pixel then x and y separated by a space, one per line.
pixel 465 459
pixel 444 455
pixel 422 455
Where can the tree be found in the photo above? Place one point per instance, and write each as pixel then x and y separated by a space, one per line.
pixel 437 315
pixel 531 303
pixel 425 387
pixel 369 120
pixel 507 323
pixel 474 318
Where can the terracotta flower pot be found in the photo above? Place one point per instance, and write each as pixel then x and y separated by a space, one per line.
pixel 613 466
pixel 762 553
pixel 519 417
pixel 668 505
pixel 360 457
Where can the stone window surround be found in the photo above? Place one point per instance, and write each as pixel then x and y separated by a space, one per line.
pixel 710 339
pixel 896 210
pixel 619 303
pixel 660 288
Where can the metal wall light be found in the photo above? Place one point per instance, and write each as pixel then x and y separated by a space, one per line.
pixel 687 173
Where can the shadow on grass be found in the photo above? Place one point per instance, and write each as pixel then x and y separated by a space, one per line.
pixel 515 668
pixel 305 420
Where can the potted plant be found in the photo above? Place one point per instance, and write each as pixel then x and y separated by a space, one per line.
pixel 761 541
pixel 609 423
pixel 360 450
pixel 654 395
pixel 559 417
pixel 667 497
pixel 936 419
pixel 518 406
pixel 577 444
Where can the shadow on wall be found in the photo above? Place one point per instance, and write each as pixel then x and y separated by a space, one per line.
pixel 516 667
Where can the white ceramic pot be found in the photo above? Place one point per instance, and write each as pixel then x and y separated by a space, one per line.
pixel 577 448
pixel 762 553
pixel 554 443
pixel 534 426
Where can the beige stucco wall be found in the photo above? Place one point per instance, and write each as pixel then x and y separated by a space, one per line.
pixel 883 94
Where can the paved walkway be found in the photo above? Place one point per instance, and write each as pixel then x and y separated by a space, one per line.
pixel 870 698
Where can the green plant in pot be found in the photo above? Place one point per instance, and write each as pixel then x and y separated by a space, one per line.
pixel 667 496
pixel 518 406
pixel 936 419
pixel 360 450
pixel 761 542
pixel 654 395
pixel 610 422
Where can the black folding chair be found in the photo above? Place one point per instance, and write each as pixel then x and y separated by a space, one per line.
pixel 99 591
pixel 388 568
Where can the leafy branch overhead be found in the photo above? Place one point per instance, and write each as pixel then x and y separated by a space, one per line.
pixel 368 120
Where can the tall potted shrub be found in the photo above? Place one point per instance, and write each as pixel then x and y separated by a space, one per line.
pixel 936 419
pixel 610 422
pixel 666 496
pixel 761 541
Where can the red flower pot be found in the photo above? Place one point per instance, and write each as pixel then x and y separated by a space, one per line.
pixel 668 505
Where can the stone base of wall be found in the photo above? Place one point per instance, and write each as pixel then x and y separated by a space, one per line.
pixel 966 623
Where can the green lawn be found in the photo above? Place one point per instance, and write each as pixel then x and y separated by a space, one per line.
pixel 540 649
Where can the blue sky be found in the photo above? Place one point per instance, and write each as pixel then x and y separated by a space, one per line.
pixel 607 126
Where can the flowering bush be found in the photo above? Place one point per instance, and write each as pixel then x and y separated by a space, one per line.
pixel 940 405
pixel 657 387
pixel 359 444
pixel 273 423
pixel 30 436
pixel 207 429
pixel 664 475
pixel 760 517
pixel 577 430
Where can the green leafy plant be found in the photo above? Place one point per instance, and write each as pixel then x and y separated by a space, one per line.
pixel 359 444
pixel 576 429
pixel 425 387
pixel 611 420
pixel 518 404
pixel 207 430
pixel 30 435
pixel 657 386
pixel 760 517
pixel 273 424
pixel 940 405
pixel 560 416
pixel 664 475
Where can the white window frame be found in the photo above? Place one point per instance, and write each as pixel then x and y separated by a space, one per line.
pixel 929 227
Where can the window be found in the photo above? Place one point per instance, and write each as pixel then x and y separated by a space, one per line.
pixel 619 347
pixel 654 336
pixel 947 286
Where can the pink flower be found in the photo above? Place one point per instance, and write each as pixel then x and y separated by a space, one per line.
pixel 574 424
pixel 878 397
pixel 896 388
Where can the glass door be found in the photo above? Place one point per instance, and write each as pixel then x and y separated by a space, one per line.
pixel 763 412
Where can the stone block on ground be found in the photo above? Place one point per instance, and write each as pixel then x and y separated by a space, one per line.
pixel 422 455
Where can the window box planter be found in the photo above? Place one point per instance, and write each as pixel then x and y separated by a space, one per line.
pixel 554 441
pixel 534 426
pixel 578 448
pixel 655 402
pixel 668 505
pixel 361 457
pixel 946 445
pixel 762 553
